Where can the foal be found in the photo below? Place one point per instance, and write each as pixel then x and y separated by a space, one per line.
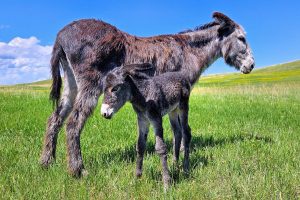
pixel 151 98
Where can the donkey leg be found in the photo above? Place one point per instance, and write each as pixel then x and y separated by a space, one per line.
pixel 179 136
pixel 57 118
pixel 85 103
pixel 143 124
pixel 176 128
pixel 161 150
pixel 186 130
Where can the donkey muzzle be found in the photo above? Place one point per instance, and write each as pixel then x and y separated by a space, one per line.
pixel 106 111
pixel 247 66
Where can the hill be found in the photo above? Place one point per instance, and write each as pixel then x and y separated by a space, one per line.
pixel 281 73
pixel 288 72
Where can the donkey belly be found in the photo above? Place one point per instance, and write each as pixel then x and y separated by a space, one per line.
pixel 169 109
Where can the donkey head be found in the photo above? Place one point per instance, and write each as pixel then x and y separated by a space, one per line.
pixel 234 47
pixel 118 85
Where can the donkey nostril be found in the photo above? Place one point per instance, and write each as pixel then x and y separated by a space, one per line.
pixel 104 114
pixel 252 66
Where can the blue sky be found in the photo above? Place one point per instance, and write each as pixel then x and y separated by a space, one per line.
pixel 28 28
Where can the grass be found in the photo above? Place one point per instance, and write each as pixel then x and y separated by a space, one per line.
pixel 283 73
pixel 246 144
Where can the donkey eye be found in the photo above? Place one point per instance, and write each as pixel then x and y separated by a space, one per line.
pixel 116 88
pixel 242 39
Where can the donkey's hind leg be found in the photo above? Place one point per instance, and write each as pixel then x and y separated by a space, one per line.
pixel 85 102
pixel 176 128
pixel 57 118
pixel 161 148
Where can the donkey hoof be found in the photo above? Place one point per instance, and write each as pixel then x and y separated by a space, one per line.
pixel 138 173
pixel 167 182
pixel 186 172
pixel 45 162
pixel 186 169
pixel 77 173
pixel 166 187
pixel 84 173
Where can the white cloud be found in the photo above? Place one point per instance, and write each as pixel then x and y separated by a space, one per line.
pixel 24 60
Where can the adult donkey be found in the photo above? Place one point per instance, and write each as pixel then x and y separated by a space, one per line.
pixel 88 49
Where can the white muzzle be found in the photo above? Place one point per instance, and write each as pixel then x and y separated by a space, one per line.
pixel 106 111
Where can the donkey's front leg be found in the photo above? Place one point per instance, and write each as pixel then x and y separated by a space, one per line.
pixel 161 150
pixel 84 105
pixel 143 124
pixel 186 130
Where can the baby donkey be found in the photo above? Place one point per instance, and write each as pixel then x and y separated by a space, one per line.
pixel 151 98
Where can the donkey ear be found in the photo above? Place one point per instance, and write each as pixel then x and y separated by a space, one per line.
pixel 222 19
pixel 227 25
pixel 128 78
pixel 139 70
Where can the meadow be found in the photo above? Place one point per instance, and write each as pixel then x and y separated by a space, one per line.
pixel 245 145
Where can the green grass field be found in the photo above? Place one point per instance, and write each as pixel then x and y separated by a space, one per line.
pixel 246 144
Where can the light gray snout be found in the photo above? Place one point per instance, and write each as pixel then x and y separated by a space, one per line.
pixel 106 111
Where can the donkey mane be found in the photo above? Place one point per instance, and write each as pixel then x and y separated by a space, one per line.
pixel 201 27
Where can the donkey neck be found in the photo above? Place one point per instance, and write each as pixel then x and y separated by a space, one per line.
pixel 205 49
pixel 138 92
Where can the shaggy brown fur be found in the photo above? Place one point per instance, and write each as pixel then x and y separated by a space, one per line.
pixel 88 49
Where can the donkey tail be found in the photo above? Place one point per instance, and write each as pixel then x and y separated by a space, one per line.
pixel 57 54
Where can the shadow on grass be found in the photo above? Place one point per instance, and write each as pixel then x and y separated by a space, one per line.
pixel 204 142
pixel 128 154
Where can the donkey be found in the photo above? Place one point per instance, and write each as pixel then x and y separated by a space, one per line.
pixel 88 49
pixel 151 99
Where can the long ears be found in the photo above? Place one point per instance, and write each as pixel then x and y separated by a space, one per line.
pixel 222 19
pixel 141 71
pixel 227 25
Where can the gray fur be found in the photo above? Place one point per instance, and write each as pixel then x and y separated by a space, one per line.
pixel 151 98
pixel 88 49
